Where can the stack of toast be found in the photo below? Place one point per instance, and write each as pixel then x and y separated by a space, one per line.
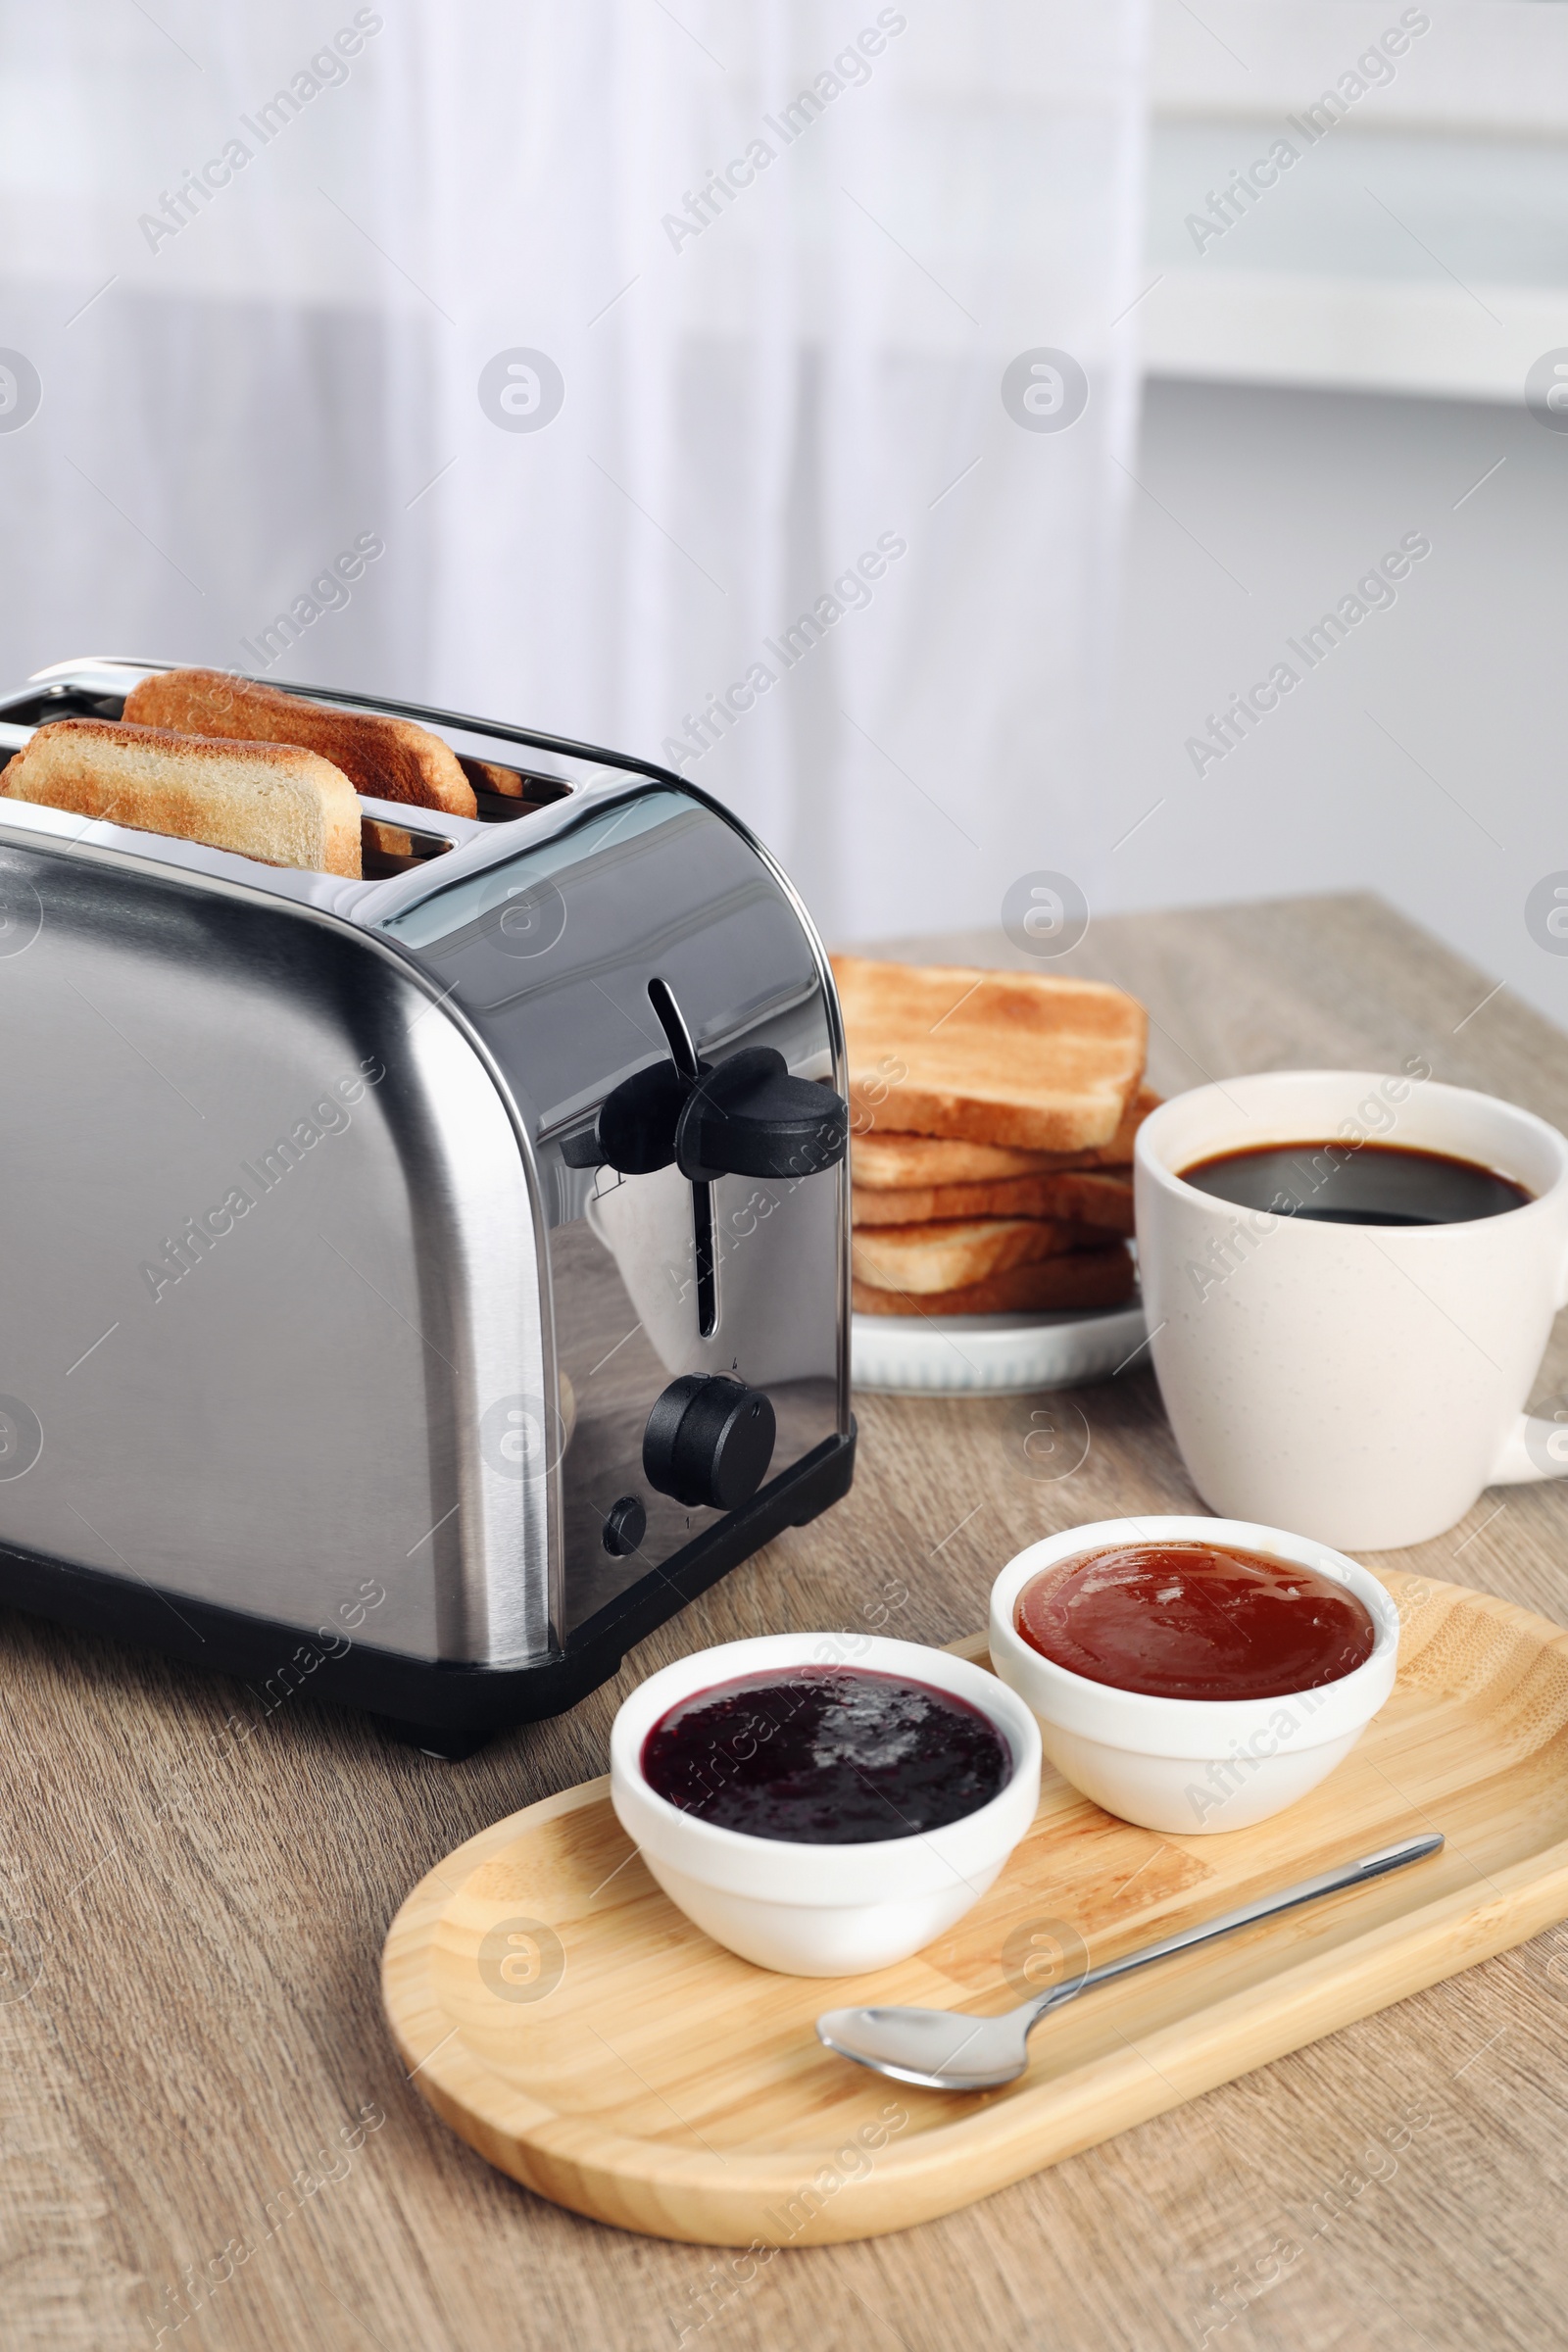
pixel 993 1116
pixel 205 756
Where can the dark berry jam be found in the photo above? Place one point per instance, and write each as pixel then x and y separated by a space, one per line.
pixel 826 1756
pixel 1195 1621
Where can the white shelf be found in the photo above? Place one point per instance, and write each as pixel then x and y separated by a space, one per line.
pixel 1350 333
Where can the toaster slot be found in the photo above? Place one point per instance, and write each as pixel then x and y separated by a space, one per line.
pixel 46 703
pixel 503 793
pixel 683 1054
pixel 707 1262
pixel 388 848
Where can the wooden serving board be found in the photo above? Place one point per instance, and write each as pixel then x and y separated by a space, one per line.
pixel 561 2014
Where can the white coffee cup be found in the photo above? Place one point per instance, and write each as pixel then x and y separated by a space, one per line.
pixel 1360 1384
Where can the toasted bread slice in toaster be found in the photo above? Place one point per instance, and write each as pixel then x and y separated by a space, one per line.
pixel 1037 1063
pixel 269 800
pixel 1099 1197
pixel 944 1257
pixel 390 839
pixel 1082 1280
pixel 390 759
pixel 506 780
pixel 883 1158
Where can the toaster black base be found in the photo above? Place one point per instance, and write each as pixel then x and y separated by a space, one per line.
pixel 447 1710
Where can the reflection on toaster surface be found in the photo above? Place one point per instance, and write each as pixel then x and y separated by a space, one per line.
pixel 612 966
pixel 608 1351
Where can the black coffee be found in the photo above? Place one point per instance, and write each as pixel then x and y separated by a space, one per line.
pixel 1358 1184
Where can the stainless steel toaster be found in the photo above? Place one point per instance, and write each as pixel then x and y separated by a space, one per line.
pixel 420 1287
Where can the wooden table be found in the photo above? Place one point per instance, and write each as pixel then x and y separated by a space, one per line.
pixel 191 2021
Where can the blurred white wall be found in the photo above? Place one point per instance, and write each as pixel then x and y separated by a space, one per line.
pixel 1424 756
pixel 1339 358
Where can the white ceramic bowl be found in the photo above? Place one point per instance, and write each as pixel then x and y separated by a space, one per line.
pixel 1192 1766
pixel 822 1910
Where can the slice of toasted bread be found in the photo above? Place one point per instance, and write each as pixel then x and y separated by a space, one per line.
pixel 390 759
pixel 943 1258
pixel 1097 1196
pixel 390 841
pixel 487 775
pixel 1036 1062
pixel 1082 1280
pixel 881 1157
pixel 269 800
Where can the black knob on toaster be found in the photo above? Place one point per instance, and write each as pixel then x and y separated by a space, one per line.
pixel 749 1117
pixel 709 1441
pixel 625 1525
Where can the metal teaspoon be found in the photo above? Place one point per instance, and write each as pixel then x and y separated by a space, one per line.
pixel 946 2049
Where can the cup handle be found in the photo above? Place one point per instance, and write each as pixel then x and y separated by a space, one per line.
pixel 1532 1451
pixel 1535 1449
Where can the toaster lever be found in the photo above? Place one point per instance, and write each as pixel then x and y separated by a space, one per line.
pixel 749 1117
pixel 635 1129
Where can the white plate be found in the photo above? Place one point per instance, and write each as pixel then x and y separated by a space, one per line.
pixel 951 1356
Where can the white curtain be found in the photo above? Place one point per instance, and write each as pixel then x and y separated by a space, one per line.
pixel 773 259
